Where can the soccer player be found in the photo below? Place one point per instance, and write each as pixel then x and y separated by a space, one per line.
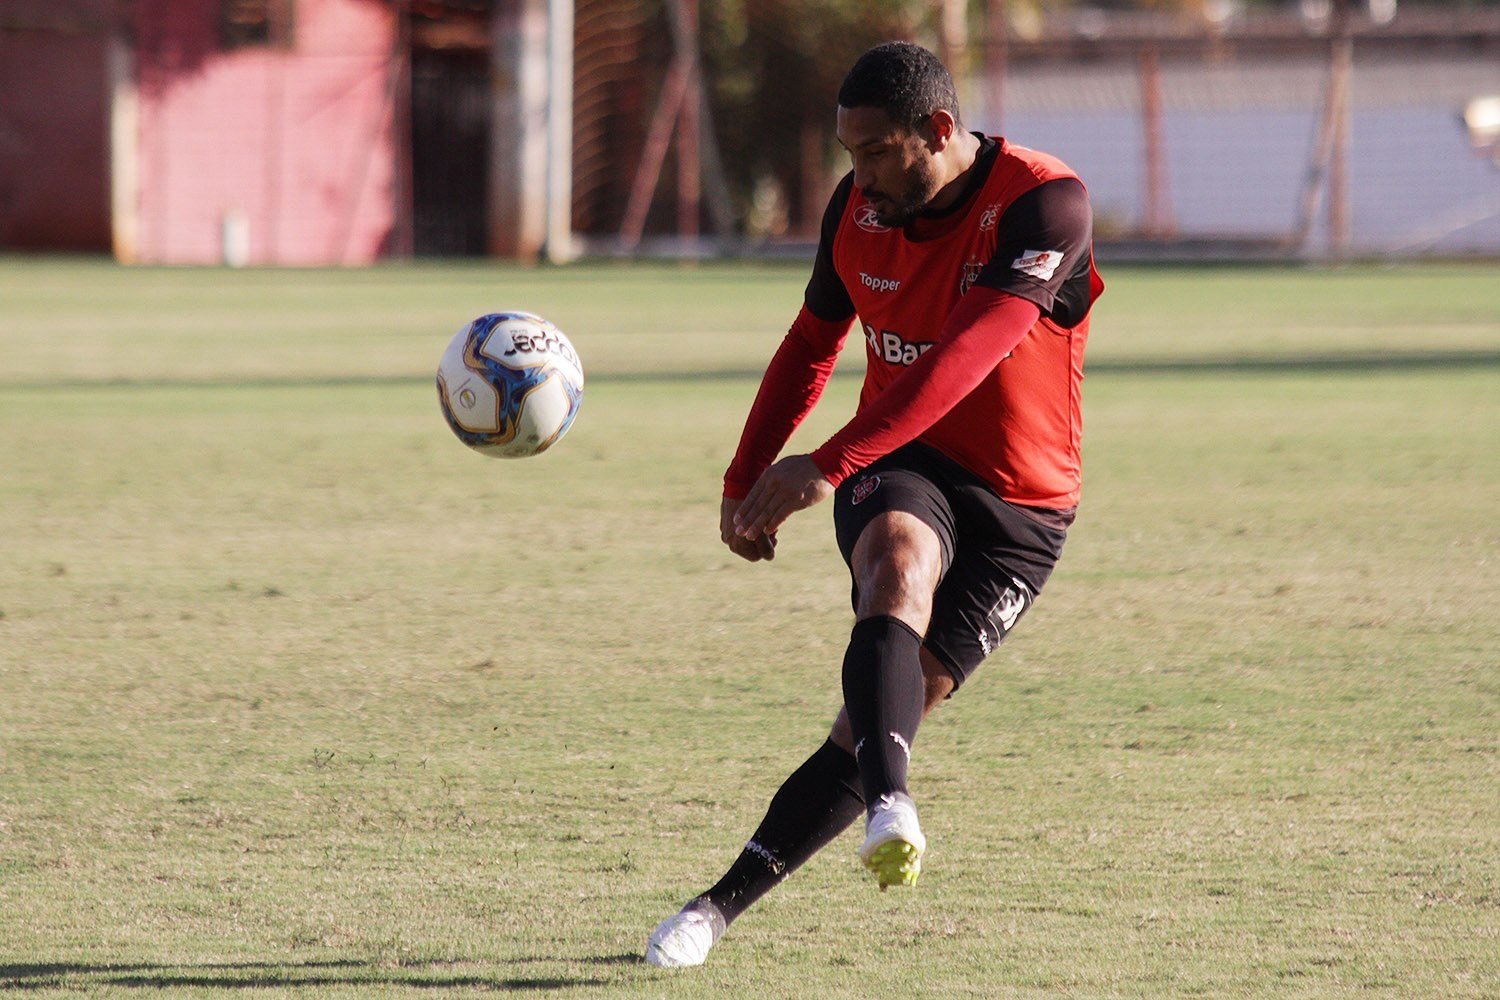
pixel 968 262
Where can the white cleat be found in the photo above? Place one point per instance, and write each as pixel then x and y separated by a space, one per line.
pixel 681 940
pixel 894 843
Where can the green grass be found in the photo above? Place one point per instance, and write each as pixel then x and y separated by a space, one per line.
pixel 297 694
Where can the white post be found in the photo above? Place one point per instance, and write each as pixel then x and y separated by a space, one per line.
pixel 234 238
pixel 559 239
pixel 124 152
pixel 517 226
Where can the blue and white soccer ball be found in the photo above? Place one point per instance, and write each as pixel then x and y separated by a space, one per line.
pixel 510 384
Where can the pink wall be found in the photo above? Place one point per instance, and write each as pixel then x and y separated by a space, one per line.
pixel 300 143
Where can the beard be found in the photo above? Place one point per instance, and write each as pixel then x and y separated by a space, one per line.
pixel 900 208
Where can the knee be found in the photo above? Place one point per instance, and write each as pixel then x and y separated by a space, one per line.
pixel 897 587
pixel 897 566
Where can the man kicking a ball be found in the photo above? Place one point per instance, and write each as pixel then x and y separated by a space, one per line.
pixel 968 264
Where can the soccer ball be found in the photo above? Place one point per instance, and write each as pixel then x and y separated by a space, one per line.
pixel 510 384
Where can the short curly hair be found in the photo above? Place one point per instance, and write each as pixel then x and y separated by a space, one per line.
pixel 904 80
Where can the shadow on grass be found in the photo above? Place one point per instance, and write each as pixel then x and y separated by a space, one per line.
pixel 260 975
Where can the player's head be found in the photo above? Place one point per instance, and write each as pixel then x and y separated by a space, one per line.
pixel 904 80
pixel 897 111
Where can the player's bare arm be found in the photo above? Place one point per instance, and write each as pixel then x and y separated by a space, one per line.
pixel 792 484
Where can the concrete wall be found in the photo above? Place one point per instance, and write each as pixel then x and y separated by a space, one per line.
pixel 1239 138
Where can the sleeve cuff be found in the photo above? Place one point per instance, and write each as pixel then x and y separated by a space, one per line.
pixel 829 464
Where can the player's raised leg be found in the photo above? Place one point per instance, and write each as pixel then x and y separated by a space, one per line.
pixel 897 563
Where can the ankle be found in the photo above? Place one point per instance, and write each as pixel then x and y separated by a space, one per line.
pixel 715 916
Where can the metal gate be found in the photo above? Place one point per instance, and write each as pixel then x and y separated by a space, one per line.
pixel 450 139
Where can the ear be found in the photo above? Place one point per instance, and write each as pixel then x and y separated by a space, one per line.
pixel 940 130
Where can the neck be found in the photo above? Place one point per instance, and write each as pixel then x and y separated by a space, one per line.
pixel 957 160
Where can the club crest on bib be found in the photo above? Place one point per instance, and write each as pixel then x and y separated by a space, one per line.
pixel 969 275
pixel 866 218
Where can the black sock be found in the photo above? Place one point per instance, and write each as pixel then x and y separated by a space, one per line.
pixel 883 694
pixel 813 806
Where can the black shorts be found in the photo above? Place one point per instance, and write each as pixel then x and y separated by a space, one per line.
pixel 996 557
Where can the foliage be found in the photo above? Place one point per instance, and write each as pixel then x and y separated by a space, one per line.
pixel 773 69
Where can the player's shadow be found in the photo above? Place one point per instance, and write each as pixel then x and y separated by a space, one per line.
pixel 260 975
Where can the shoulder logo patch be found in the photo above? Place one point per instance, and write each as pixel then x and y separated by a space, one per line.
pixel 1040 264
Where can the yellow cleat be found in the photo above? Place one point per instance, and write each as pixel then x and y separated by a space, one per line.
pixel 895 863
pixel 894 844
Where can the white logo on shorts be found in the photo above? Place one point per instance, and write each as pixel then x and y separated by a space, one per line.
pixel 1003 615
pixel 1011 604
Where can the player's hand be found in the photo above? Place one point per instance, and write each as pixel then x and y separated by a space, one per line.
pixel 792 484
pixel 763 547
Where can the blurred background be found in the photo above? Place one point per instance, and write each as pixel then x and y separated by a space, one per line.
pixel 345 132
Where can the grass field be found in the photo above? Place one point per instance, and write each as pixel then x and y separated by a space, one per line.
pixel 298 695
